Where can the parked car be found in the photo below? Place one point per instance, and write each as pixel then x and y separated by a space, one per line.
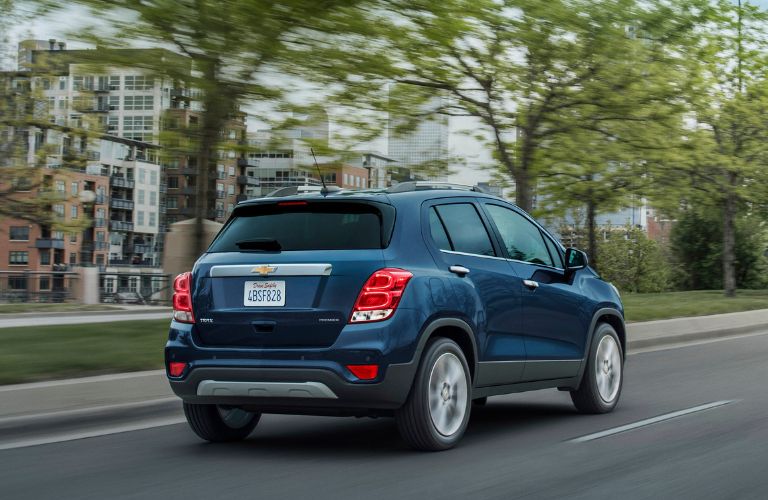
pixel 410 303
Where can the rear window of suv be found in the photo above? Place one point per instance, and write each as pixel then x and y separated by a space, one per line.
pixel 311 225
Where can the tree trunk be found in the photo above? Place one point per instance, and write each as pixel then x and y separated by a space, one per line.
pixel 592 234
pixel 523 192
pixel 729 239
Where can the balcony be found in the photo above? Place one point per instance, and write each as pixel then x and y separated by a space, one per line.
pixel 43 243
pixel 121 203
pixel 118 225
pixel 247 180
pixel 122 182
pixel 163 187
pixel 140 248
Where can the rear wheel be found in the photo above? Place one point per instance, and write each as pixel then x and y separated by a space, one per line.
pixel 218 423
pixel 604 375
pixel 436 413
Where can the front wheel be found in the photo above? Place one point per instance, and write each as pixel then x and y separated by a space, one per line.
pixel 604 375
pixel 436 413
pixel 217 423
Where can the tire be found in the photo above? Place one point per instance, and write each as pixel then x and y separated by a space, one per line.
pixel 436 413
pixel 599 390
pixel 219 424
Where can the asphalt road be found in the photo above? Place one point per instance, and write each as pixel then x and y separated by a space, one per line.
pixel 517 446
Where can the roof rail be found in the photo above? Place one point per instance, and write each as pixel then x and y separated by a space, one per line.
pixel 408 186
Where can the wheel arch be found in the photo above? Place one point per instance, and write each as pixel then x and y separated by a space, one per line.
pixel 612 317
pixel 457 330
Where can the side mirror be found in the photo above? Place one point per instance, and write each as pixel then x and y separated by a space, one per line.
pixel 575 259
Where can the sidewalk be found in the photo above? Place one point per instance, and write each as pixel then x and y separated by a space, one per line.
pixel 43 404
pixel 126 313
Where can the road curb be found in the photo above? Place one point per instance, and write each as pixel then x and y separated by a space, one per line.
pixel 681 338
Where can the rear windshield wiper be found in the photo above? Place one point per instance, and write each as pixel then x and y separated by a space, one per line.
pixel 266 244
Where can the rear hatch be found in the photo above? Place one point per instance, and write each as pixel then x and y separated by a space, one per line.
pixel 285 274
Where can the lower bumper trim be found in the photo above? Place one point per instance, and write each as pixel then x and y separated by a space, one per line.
pixel 316 390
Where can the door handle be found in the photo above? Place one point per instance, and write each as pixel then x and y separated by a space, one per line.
pixel 533 285
pixel 460 270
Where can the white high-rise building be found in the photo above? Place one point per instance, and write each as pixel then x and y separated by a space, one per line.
pixel 423 147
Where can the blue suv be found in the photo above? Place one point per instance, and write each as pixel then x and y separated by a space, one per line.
pixel 413 303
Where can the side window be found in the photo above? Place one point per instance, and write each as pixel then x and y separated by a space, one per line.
pixel 554 252
pixel 522 239
pixel 466 231
pixel 438 231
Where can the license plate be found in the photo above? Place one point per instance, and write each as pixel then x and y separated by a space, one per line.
pixel 264 294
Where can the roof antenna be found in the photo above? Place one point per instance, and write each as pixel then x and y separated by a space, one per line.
pixel 323 191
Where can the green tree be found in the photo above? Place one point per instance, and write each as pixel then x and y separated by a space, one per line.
pixel 634 263
pixel 529 72
pixel 697 249
pixel 723 167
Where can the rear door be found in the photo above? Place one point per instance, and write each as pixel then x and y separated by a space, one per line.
pixel 553 325
pixel 464 246
pixel 286 274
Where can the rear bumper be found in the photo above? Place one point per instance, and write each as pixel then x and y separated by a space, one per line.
pixel 295 390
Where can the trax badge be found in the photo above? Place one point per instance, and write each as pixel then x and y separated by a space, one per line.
pixel 263 270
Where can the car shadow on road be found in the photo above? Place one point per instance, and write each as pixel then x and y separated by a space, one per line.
pixel 348 437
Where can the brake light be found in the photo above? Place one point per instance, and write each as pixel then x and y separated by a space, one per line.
pixel 380 295
pixel 291 203
pixel 182 298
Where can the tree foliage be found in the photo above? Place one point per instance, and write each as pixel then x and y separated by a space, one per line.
pixel 634 263
pixel 697 250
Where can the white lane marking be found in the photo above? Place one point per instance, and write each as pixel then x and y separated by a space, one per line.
pixel 650 421
pixel 72 436
pixel 81 380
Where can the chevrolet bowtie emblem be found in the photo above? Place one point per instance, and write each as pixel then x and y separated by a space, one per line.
pixel 263 270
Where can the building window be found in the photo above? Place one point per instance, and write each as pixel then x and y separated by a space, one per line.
pixel 230 189
pixel 17 282
pixel 152 219
pixel 153 177
pixel 114 82
pixel 73 188
pixel 231 171
pixel 58 209
pixel 141 193
pixel 19 233
pixel 63 102
pixel 138 102
pixel 140 217
pixel 62 83
pixel 153 198
pixel 109 285
pixel 73 212
pixel 114 102
pixel 173 182
pixel 142 175
pixel 113 123
pixel 18 258
pixel 61 187
pixel 72 258
pixel 45 257
pixel 139 82
pixel 172 202
pixel 138 128
pixel 45 283
pixel 73 237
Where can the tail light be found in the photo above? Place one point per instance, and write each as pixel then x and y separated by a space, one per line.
pixel 176 368
pixel 380 295
pixel 182 298
pixel 364 372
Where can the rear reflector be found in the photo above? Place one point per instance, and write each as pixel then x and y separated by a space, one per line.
pixel 176 368
pixel 364 372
